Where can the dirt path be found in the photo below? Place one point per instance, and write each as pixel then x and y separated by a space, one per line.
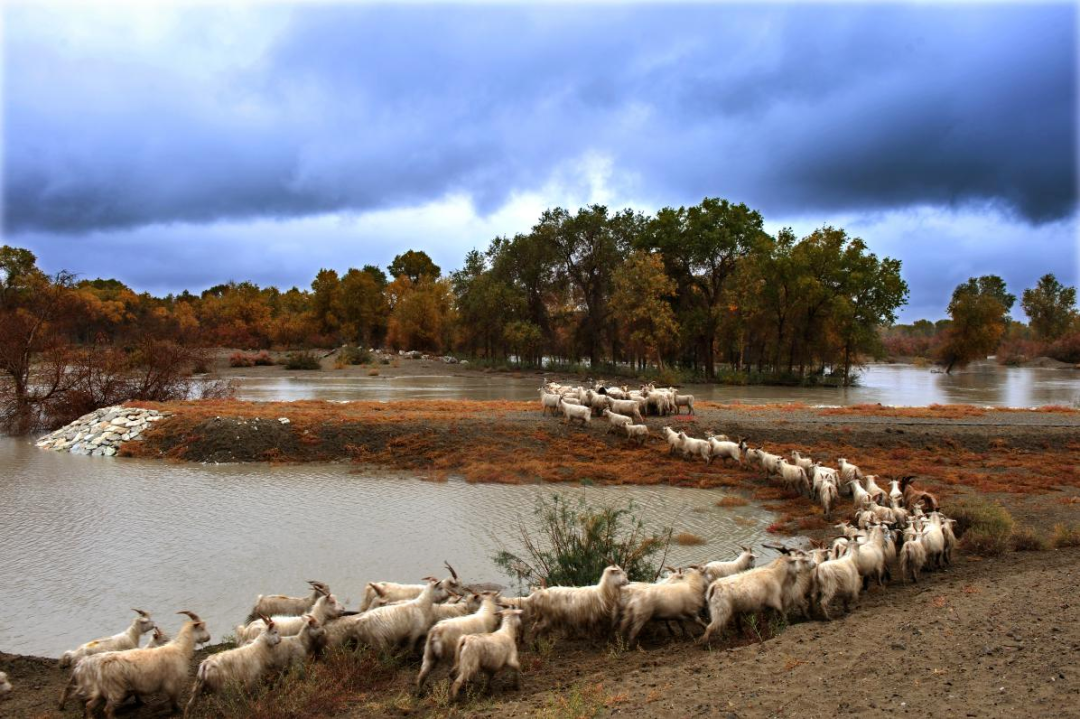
pixel 985 639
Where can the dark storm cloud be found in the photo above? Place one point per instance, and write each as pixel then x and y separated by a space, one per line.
pixel 794 110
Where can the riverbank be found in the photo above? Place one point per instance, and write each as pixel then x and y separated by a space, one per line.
pixel 987 638
pixel 1023 455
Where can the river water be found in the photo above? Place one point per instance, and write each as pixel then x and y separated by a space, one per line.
pixel 987 384
pixel 84 539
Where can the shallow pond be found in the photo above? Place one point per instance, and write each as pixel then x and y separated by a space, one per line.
pixel 87 538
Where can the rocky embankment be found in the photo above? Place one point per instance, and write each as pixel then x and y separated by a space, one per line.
pixel 101 432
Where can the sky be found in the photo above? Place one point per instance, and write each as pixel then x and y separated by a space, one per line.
pixel 180 146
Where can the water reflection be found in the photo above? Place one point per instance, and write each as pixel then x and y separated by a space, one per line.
pixel 890 384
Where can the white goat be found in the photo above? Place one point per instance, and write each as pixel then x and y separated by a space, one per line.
pixel 325 610
pixel 489 653
pixel 848 471
pixel 242 667
pixel 443 638
pixel 377 594
pixel 838 578
pixel 579 608
pixel 673 439
pixel 793 476
pixel 280 605
pixel 717 570
pixel 574 411
pixel 628 407
pixel 695 447
pixel 750 591
pixel 127 639
pixel 549 402
pixel 804 462
pixel 112 676
pixel 877 493
pixel 391 625
pixel 684 400
pixel 681 600
pixel 637 432
pixel 296 649
pixel 912 555
pixel 617 421
pixel 722 448
pixel 5 685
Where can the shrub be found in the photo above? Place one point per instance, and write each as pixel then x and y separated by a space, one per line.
pixel 263 359
pixel 576 543
pixel 355 355
pixel 1025 540
pixel 239 359
pixel 373 373
pixel 1065 537
pixel 302 360
pixel 984 528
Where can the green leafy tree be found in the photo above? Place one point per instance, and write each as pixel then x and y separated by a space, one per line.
pixel 1050 306
pixel 414 265
pixel 702 246
pixel 590 245
pixel 980 313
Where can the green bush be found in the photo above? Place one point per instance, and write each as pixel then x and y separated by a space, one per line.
pixel 302 360
pixel 574 544
pixel 984 528
pixel 355 355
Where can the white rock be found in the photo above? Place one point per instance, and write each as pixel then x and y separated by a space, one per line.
pixel 109 451
pixel 283 420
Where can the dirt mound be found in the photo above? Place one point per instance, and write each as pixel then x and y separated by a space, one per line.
pixel 1048 363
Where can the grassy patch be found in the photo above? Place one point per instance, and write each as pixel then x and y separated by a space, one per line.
pixel 1064 536
pixel 319 688
pixel 302 361
pixel 732 501
pixel 578 701
pixel 984 528
pixel 1025 539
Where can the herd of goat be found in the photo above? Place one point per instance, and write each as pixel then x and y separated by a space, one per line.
pixel 477 632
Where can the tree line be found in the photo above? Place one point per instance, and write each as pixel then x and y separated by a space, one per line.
pixel 699 292
pixel 980 324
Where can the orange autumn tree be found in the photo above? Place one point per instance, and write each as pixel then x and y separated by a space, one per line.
pixel 640 307
pixel 422 316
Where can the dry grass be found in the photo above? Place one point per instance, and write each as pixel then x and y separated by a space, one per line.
pixel 507 442
pixel 937 411
pixel 687 539
pixel 1025 540
pixel 1064 536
